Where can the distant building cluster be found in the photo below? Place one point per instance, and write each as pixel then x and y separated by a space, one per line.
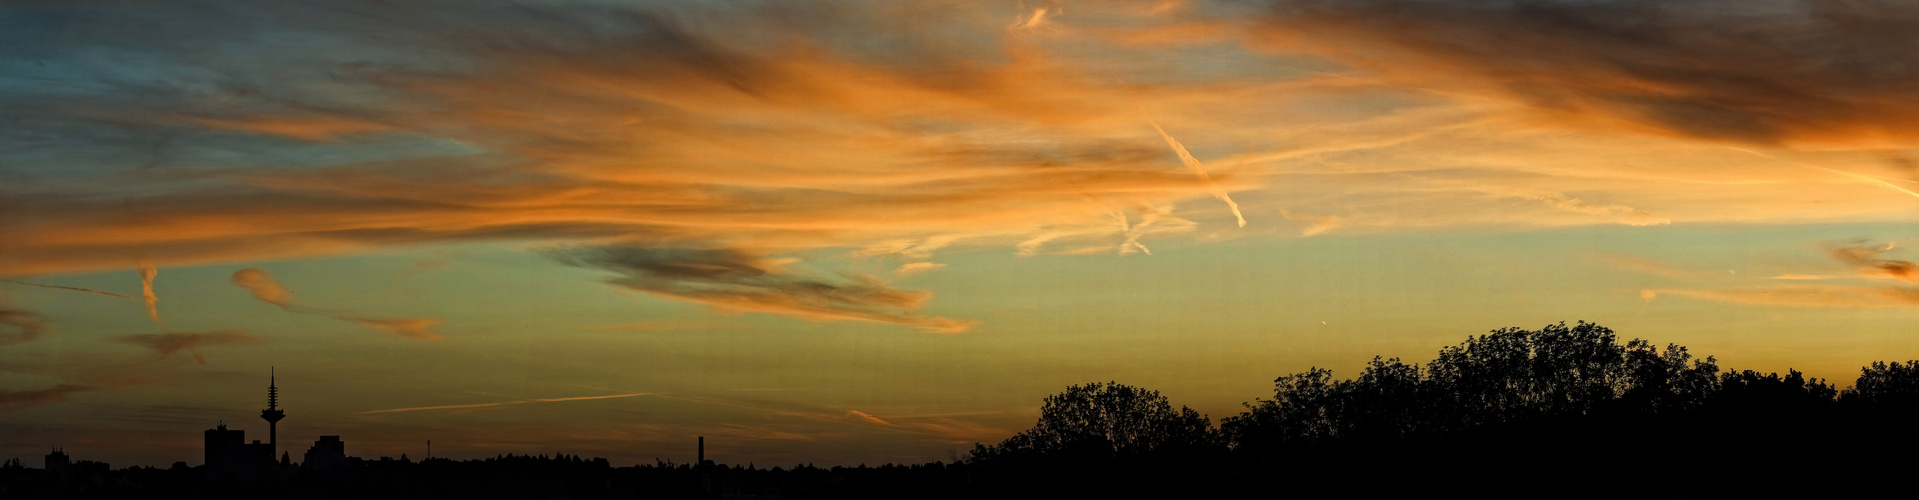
pixel 228 453
pixel 67 470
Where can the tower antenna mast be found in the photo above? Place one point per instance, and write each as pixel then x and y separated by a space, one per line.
pixel 273 414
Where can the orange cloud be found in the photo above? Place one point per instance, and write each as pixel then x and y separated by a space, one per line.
pixel 1806 296
pixel 147 273
pixel 261 284
pixel 1795 72
pixel 312 128
pixel 662 326
pixel 654 133
pixel 638 139
pixel 413 328
pixel 866 417
pixel 916 268
pixel 1867 261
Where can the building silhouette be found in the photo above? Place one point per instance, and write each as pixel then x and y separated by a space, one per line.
pixel 326 453
pixel 58 464
pixel 228 453
pixel 64 469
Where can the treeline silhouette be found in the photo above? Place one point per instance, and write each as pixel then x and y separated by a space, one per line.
pixel 1557 411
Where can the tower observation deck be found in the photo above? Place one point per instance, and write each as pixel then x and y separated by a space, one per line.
pixel 273 414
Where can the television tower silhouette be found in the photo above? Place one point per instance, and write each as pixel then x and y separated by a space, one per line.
pixel 273 414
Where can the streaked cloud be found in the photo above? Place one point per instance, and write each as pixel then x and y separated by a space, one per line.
pixel 917 268
pixel 662 325
pixel 413 328
pixel 165 344
pixel 1766 72
pixel 260 283
pixel 733 280
pixel 14 400
pixel 866 417
pixel 1199 170
pixel 500 403
pixel 673 130
pixel 1868 262
pixel 147 274
pixel 1805 296
pixel 27 325
pixel 1865 260
pixel 76 289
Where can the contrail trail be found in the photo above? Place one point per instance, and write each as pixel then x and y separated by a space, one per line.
pixel 58 287
pixel 1868 178
pixel 501 403
pixel 1198 169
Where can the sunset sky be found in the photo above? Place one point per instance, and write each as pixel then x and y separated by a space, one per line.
pixel 881 231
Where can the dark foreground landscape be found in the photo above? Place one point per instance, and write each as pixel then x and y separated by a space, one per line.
pixel 1559 411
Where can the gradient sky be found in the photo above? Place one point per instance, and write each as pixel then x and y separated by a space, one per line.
pixel 869 232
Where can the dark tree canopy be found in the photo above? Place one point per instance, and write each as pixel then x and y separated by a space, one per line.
pixel 1108 419
pixel 1509 375
pixel 1886 386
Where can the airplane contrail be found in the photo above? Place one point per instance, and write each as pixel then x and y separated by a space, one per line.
pixel 1198 170
pixel 501 403
pixel 58 287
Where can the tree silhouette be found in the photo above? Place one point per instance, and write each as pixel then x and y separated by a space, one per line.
pixel 1510 375
pixel 1106 420
pixel 1886 387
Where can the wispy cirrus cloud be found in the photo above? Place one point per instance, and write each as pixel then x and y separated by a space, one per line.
pixel 1767 72
pixel 165 344
pixel 1803 296
pixel 1647 266
pixel 147 273
pixel 27 325
pixel 866 417
pixel 736 281
pixel 662 326
pixel 76 289
pixel 917 268
pixel 500 403
pixel 260 283
pixel 14 400
pixel 794 129
pixel 1865 261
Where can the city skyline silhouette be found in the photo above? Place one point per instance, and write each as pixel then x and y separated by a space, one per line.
pixel 1481 401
